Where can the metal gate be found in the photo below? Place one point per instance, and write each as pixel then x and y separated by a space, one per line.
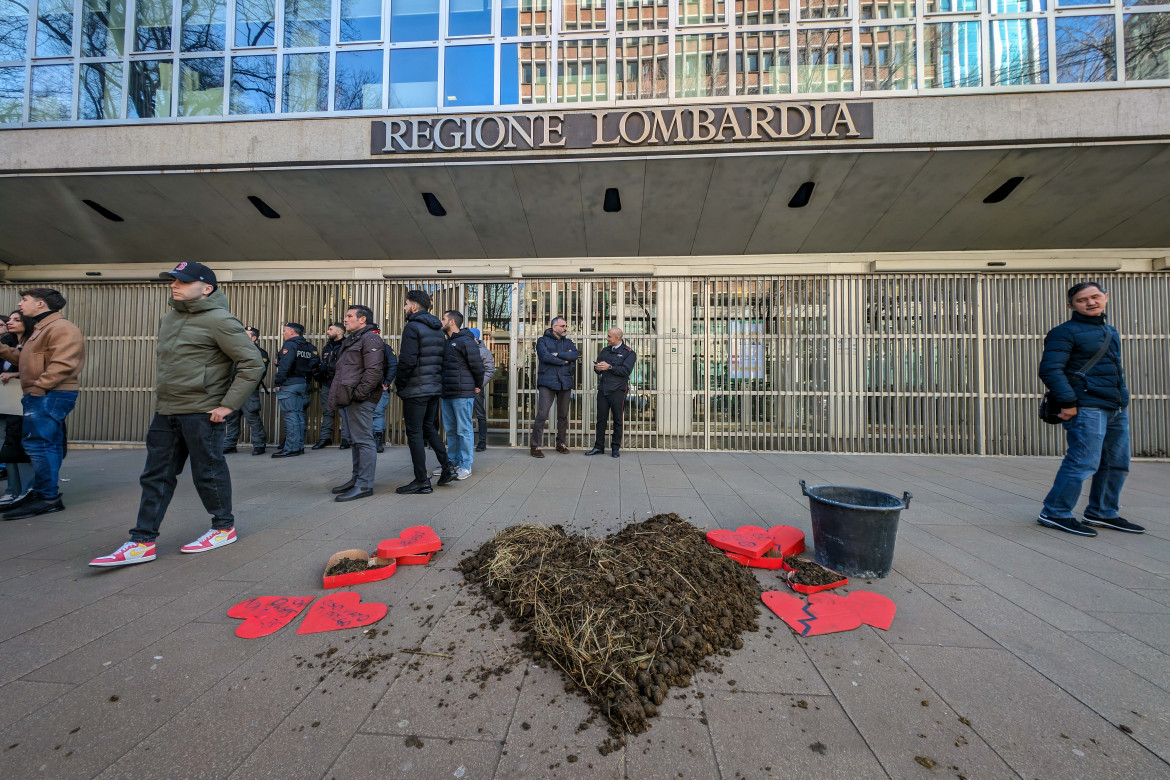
pixel 894 363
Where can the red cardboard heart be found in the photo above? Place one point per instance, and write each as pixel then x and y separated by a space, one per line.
pixel 413 541
pixel 264 615
pixel 749 540
pixel 415 560
pixel 874 609
pixel 812 617
pixel 341 610
pixel 757 563
pixel 790 540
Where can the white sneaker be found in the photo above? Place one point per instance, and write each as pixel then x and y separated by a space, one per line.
pixel 462 473
pixel 210 540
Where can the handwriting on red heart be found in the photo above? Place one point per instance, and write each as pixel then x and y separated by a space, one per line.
pixel 749 540
pixel 811 618
pixel 264 615
pixel 790 540
pixel 874 609
pixel 415 540
pixel 757 563
pixel 341 610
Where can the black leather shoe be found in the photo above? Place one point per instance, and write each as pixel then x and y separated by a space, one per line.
pixel 258 450
pixel 290 454
pixel 416 487
pixel 37 506
pixel 345 445
pixel 347 486
pixel 480 447
pixel 595 451
pixel 614 453
pixel 354 494
pixel 447 477
pixel 380 444
pixel 322 443
pixel 229 450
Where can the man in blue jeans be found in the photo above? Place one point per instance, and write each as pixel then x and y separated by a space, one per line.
pixel 1093 410
pixel 49 364
pixel 296 366
pixel 462 382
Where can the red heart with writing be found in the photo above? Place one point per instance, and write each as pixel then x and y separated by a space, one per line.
pixel 874 609
pixel 822 616
pixel 415 540
pixel 264 615
pixel 749 540
pixel 757 563
pixel 790 540
pixel 341 610
pixel 415 560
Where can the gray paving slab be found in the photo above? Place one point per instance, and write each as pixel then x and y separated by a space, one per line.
pixel 681 747
pixel 379 755
pixel 22 697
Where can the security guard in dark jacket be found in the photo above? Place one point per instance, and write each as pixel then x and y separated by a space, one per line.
pixel 297 365
pixel 420 383
pixel 325 370
pixel 614 365
pixel 250 411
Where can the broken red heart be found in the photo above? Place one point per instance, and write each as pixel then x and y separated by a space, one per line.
pixel 415 540
pixel 790 540
pixel 341 610
pixel 264 615
pixel 757 563
pixel 811 618
pixel 874 609
pixel 749 540
pixel 415 560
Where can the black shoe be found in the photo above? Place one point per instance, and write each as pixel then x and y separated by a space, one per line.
pixel 448 476
pixel 480 447
pixel 380 443
pixel 1116 523
pixel 1067 524
pixel 416 487
pixel 345 445
pixel 258 450
pixel 595 451
pixel 229 450
pixel 322 443
pixel 347 486
pixel 3 472
pixel 354 494
pixel 37 506
pixel 614 452
pixel 10 502
pixel 289 454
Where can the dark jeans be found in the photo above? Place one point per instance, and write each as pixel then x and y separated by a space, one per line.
pixel 418 414
pixel 327 413
pixel 44 436
pixel 250 411
pixel 169 441
pixel 481 419
pixel 615 403
pixel 543 405
pixel 360 418
pixel 293 397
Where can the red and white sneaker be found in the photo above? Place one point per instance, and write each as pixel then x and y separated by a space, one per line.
pixel 129 553
pixel 210 540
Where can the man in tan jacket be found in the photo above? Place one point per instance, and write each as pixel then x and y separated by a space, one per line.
pixel 49 364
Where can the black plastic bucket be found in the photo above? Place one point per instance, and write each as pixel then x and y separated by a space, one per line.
pixel 854 528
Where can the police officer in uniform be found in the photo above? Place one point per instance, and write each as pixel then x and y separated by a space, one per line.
pixel 297 365
pixel 325 370
pixel 250 411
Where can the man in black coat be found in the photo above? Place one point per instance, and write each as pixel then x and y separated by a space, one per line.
pixel 250 411
pixel 420 384
pixel 356 388
pixel 556 365
pixel 329 353
pixel 296 366
pixel 462 383
pixel 613 367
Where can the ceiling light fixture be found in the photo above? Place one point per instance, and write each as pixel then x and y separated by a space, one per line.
pixel 105 212
pixel 803 195
pixel 263 207
pixel 613 200
pixel 1004 190
pixel 433 206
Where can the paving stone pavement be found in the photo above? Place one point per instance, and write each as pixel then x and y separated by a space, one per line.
pixel 1017 651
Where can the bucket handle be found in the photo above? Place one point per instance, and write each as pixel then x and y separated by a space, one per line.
pixel 906 494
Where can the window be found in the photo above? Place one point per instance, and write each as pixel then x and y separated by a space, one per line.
pixel 100 91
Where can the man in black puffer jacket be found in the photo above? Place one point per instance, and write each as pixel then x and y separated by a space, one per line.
pixel 462 382
pixel 1093 407
pixel 420 383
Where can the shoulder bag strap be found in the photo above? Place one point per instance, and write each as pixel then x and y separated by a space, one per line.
pixel 1087 367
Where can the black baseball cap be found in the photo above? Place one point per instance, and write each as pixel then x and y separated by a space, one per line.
pixel 191 272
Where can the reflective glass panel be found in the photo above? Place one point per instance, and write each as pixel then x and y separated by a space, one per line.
pixel 253 89
pixel 1018 6
pixel 358 81
pixel 524 73
pixel 761 11
pixel 103 28
pixel 149 89
pixel 952 6
pixel 887 57
pixel 532 17
pixel 152 26
pixel 700 65
pixel 824 60
pixel 469 78
pixel 11 94
pixel 823 9
pixel 414 78
pixel 204 25
pixel 1019 52
pixel 950 55
pixel 582 15
pixel 306 83
pixel 887 9
pixel 642 68
pixel 702 12
pixel 99 91
pixel 762 63
pixel 583 71
pixel 469 17
pixel 414 20
pixel 1085 49
pixel 1074 3
pixel 51 94
pixel 54 28
pixel 255 23
pixel 306 22
pixel 13 31
pixel 1147 46
pixel 361 20
pixel 201 87
pixel 642 14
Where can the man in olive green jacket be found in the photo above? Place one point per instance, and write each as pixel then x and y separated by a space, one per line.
pixel 198 342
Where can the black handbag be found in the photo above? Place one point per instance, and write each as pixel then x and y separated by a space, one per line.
pixel 1049 408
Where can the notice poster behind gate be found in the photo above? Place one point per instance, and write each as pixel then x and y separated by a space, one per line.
pixel 747 349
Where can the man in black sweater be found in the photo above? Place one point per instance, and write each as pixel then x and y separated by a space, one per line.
pixel 613 367
pixel 420 383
